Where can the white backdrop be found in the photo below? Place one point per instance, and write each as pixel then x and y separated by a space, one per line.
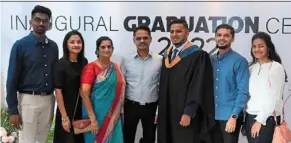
pixel 115 19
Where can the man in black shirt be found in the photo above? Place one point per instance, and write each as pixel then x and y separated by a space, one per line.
pixel 31 63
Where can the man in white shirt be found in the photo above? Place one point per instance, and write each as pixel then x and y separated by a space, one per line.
pixel 141 72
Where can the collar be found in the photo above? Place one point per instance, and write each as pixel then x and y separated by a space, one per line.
pixel 224 54
pixel 35 40
pixel 136 55
pixel 179 48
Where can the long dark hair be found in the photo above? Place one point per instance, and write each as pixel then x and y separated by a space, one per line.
pixel 66 52
pixel 272 54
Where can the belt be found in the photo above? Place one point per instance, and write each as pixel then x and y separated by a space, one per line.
pixel 139 103
pixel 36 92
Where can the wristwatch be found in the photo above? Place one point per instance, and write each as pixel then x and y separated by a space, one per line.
pixel 234 116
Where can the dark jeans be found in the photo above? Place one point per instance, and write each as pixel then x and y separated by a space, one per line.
pixel 228 137
pixel 133 112
pixel 266 132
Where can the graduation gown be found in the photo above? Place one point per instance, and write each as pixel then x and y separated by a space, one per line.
pixel 187 81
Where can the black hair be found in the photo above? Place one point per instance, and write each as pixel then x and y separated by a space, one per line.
pixel 179 21
pixel 142 27
pixel 272 54
pixel 66 52
pixel 99 41
pixel 225 26
pixel 41 9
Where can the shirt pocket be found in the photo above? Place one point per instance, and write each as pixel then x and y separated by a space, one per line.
pixel 34 58
pixel 133 73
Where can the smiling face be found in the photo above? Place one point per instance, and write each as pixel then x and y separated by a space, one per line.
pixel 105 49
pixel 259 49
pixel 142 40
pixel 75 44
pixel 223 38
pixel 178 34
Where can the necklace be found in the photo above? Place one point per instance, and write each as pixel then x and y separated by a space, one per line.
pixel 102 65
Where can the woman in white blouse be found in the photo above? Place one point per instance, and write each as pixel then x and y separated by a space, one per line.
pixel 266 90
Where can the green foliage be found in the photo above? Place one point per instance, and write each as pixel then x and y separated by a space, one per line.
pixel 5 121
pixel 51 133
pixel 9 128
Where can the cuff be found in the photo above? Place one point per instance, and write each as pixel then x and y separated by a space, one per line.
pixel 191 110
pixel 13 110
pixel 236 111
pixel 261 120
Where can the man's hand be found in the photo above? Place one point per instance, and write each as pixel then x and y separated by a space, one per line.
pixel 185 120
pixel 156 119
pixel 230 125
pixel 15 121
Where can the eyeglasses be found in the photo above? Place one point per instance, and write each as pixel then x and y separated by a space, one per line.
pixel 145 38
pixel 39 20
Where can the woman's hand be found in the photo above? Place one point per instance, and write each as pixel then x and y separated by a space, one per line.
pixel 256 129
pixel 94 127
pixel 66 124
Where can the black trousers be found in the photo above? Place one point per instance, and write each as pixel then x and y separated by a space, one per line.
pixel 225 137
pixel 133 112
pixel 266 132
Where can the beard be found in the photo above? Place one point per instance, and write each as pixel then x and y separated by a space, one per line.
pixel 39 31
pixel 222 47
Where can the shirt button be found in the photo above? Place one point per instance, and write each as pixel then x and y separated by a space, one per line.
pixel 44 55
pixel 42 46
pixel 45 65
pixel 217 69
pixel 216 87
pixel 216 96
pixel 46 84
pixel 216 105
pixel 46 74
pixel 216 78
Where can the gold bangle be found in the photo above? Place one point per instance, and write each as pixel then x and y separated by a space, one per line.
pixel 66 119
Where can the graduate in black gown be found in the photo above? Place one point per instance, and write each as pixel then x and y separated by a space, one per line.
pixel 186 101
pixel 66 80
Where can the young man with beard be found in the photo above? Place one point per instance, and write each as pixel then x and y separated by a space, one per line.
pixel 142 73
pixel 231 85
pixel 186 102
pixel 31 63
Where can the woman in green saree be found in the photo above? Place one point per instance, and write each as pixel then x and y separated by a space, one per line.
pixel 102 88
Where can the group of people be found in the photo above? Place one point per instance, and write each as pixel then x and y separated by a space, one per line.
pixel 186 94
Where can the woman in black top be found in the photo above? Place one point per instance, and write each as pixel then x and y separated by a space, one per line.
pixel 66 83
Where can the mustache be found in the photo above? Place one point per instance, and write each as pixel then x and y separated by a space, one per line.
pixel 40 27
pixel 221 47
pixel 221 41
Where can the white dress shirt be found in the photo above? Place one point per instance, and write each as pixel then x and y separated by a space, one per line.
pixel 266 90
pixel 142 77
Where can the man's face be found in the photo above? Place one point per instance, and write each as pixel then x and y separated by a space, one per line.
pixel 178 34
pixel 223 38
pixel 142 40
pixel 40 23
